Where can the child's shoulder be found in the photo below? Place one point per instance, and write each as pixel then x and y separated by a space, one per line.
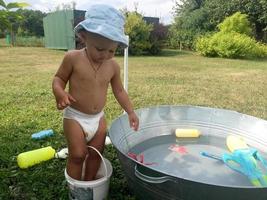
pixel 73 55
pixel 74 52
pixel 113 64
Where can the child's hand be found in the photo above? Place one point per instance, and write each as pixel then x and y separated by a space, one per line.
pixel 64 100
pixel 133 120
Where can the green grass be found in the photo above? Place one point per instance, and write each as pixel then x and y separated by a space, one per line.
pixel 174 78
pixel 29 41
pixel 3 42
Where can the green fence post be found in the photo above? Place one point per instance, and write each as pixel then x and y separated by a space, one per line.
pixel 8 39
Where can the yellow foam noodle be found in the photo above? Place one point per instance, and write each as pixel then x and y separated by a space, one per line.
pixel 36 156
pixel 234 142
pixel 187 133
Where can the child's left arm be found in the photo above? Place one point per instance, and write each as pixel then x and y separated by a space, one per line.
pixel 123 98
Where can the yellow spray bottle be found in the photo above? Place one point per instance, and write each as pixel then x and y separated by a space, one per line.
pixel 30 158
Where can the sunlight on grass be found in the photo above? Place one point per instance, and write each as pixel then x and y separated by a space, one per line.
pixel 174 78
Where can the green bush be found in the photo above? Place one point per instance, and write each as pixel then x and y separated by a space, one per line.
pixel 238 23
pixel 138 32
pixel 29 41
pixel 232 41
pixel 205 45
pixel 230 45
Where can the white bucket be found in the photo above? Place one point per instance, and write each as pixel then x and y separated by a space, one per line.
pixel 91 190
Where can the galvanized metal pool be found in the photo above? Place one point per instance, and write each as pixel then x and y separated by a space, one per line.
pixel 186 175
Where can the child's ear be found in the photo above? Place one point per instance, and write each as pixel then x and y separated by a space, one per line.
pixel 82 36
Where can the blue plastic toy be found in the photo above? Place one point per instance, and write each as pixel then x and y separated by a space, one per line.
pixel 245 161
pixel 42 134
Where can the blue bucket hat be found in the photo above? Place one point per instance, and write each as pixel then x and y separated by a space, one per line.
pixel 105 21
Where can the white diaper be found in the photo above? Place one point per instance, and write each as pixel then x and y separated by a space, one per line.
pixel 89 123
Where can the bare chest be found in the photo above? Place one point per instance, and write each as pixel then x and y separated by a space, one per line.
pixel 86 75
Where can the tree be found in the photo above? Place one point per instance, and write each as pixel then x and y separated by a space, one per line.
pixel 198 17
pixel 190 22
pixel 139 33
pixel 9 19
pixel 157 38
pixel 256 10
pixel 237 22
pixel 32 23
pixel 232 41
pixel 66 6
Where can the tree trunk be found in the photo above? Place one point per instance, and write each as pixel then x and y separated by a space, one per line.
pixel 13 38
pixel 259 31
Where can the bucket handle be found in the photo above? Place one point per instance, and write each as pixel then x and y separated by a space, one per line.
pixel 102 158
pixel 151 179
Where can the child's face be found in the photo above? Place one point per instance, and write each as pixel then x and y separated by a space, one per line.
pixel 100 48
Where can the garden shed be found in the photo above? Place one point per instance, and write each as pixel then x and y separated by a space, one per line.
pixel 58 29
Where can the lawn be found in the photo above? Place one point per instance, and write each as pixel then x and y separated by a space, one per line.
pixel 174 78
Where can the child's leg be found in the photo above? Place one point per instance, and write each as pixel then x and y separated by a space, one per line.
pixel 93 160
pixel 76 146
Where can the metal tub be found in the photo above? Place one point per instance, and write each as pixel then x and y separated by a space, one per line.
pixel 188 176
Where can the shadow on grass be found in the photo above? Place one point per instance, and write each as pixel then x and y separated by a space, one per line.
pixel 163 53
pixel 254 59
pixel 257 59
pixel 5 46
pixel 174 52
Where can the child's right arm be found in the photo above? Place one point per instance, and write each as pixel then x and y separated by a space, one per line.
pixel 60 80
